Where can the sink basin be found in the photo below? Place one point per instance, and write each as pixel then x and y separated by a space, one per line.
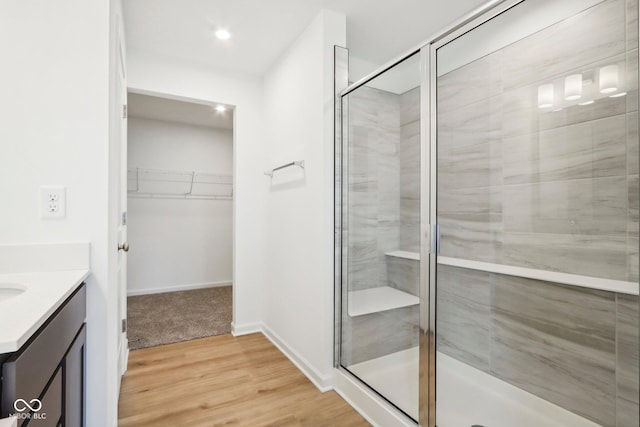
pixel 10 290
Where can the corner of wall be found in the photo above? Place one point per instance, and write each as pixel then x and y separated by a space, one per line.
pixel 299 103
pixel 334 34
pixel 323 381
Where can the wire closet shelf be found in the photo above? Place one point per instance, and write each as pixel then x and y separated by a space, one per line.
pixel 176 184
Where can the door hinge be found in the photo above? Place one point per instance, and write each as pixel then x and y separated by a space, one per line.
pixel 124 111
pixel 434 246
pixel 124 325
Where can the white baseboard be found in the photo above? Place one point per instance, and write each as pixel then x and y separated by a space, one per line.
pixel 372 407
pixel 123 358
pixel 176 288
pixel 246 329
pixel 322 382
pixel 126 361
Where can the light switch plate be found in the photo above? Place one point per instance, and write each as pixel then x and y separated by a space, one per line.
pixel 53 201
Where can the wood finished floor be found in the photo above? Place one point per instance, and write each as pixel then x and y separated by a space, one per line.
pixel 225 381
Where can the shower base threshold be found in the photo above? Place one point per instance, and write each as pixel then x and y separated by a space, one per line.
pixel 395 376
pixel 466 395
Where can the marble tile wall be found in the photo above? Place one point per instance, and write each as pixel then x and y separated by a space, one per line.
pixel 530 187
pixel 374 185
pixel 384 216
pixel 562 352
pixel 627 413
pixel 551 190
pixel 597 33
pixel 410 170
pixel 384 186
pixel 581 355
pixel 378 334
pixel 463 321
pixel 403 274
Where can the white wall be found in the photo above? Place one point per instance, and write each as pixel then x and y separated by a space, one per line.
pixel 155 75
pixel 54 129
pixel 526 19
pixel 299 224
pixel 178 243
pixel 405 76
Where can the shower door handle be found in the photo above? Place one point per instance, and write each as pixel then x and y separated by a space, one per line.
pixel 434 246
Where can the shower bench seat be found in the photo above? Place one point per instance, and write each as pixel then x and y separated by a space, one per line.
pixel 402 272
pixel 374 300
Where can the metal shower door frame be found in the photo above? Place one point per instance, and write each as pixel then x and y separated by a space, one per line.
pixel 428 194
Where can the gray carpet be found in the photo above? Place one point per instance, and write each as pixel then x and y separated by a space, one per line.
pixel 166 318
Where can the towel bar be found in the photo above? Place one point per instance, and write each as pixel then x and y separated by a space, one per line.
pixel 299 163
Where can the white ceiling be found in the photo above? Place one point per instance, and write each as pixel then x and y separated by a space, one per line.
pixel 156 108
pixel 377 30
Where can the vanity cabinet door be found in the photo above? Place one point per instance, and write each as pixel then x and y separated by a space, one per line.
pixel 50 367
pixel 26 372
pixel 50 413
pixel 74 364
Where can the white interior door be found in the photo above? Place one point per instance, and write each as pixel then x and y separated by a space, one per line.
pixel 123 246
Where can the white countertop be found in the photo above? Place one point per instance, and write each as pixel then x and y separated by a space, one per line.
pixel 23 314
pixel 9 422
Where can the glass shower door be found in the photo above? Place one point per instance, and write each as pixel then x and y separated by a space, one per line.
pixel 380 234
pixel 537 205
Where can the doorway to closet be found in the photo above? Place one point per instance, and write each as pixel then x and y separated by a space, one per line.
pixel 180 200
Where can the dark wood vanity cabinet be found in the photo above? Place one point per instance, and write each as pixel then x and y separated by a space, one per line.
pixel 49 368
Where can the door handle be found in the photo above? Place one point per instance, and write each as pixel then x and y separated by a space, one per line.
pixel 123 247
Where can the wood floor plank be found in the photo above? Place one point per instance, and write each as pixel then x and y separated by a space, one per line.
pixel 225 381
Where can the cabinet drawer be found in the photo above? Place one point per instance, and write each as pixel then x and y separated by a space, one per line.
pixel 51 410
pixel 27 372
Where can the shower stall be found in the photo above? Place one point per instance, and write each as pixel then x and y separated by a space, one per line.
pixel 487 209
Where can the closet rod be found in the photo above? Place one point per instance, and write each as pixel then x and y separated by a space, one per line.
pixel 179 196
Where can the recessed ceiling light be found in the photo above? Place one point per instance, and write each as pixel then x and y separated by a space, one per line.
pixel 223 34
pixel 587 102
pixel 221 108
pixel 618 95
